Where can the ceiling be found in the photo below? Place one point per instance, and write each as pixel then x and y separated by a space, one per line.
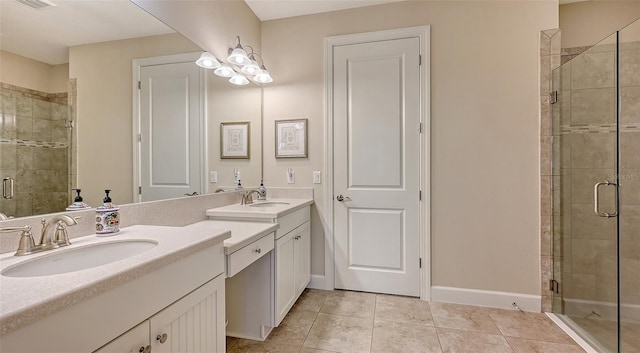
pixel 45 34
pixel 274 9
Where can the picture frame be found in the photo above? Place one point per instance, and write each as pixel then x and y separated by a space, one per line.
pixel 292 138
pixel 235 142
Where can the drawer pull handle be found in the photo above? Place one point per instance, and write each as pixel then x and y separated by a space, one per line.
pixel 162 338
pixel 258 250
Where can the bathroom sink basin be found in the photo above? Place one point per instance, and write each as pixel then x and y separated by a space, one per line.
pixel 82 258
pixel 268 204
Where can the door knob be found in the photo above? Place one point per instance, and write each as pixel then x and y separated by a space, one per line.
pixel 343 198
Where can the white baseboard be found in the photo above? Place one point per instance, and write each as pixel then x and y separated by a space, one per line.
pixel 493 299
pixel 317 282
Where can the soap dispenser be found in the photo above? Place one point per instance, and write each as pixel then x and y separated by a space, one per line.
pixel 262 191
pixel 78 204
pixel 107 217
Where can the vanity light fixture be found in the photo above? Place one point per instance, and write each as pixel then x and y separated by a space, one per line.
pixel 252 68
pixel 239 63
pixel 238 55
pixel 224 71
pixel 208 61
pixel 263 76
pixel 238 79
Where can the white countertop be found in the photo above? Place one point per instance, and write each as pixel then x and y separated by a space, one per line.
pixel 251 211
pixel 242 233
pixel 28 299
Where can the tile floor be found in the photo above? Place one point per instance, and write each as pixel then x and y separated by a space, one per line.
pixel 343 321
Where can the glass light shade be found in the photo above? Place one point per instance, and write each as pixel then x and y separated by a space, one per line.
pixel 263 76
pixel 239 80
pixel 224 71
pixel 208 61
pixel 251 69
pixel 239 57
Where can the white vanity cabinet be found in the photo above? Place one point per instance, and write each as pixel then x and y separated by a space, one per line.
pixel 293 261
pixel 135 340
pixel 291 258
pixel 194 323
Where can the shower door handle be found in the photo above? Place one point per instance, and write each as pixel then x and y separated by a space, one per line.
pixel 596 199
pixel 7 188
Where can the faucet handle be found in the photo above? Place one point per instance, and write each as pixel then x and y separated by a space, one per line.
pixel 26 245
pixel 61 236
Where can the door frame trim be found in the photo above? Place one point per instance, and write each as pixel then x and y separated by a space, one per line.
pixel 423 33
pixel 137 64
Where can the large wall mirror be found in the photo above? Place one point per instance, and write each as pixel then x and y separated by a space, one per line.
pixel 67 104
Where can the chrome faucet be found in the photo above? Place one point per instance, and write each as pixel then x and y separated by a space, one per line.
pixel 4 217
pixel 60 238
pixel 246 197
pixel 219 190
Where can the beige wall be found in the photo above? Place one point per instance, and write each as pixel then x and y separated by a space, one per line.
pixel 229 103
pixel 213 25
pixel 28 73
pixel 104 126
pixel 104 78
pixel 587 23
pixel 484 121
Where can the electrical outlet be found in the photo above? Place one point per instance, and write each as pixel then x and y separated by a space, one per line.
pixel 291 176
pixel 236 176
pixel 317 177
pixel 213 177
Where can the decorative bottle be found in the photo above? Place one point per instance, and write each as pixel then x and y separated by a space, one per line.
pixel 107 217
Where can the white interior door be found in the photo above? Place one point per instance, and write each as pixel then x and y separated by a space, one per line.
pixel 376 95
pixel 170 137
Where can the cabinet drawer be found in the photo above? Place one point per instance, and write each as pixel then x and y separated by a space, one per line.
pixel 291 221
pixel 244 257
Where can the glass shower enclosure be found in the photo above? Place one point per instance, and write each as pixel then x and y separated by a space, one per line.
pixel 596 192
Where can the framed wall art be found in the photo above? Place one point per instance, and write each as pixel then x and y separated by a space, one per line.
pixel 291 138
pixel 234 140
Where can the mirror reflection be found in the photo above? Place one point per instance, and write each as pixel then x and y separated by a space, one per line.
pixel 69 108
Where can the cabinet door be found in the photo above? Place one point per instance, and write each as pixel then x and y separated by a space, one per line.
pixel 302 258
pixel 135 340
pixel 194 323
pixel 285 281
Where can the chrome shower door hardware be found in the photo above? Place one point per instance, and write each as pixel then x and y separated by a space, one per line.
pixel 7 188
pixel 596 199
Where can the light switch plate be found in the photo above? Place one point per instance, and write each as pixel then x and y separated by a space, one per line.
pixel 317 177
pixel 213 177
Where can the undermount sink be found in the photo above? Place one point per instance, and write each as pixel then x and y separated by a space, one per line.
pixel 81 258
pixel 268 204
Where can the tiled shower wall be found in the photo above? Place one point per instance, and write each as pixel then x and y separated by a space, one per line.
pixel 549 60
pixel 34 150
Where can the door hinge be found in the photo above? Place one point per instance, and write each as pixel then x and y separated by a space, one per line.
pixel 139 84
pixel 554 286
pixel 420 262
pixel 139 137
pixel 420 195
pixel 420 128
pixel 419 60
pixel 553 97
pixel 139 190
